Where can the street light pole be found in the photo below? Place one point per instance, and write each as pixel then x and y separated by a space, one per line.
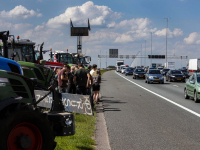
pixel 166 41
pixel 141 55
pixel 151 47
pixel 106 60
pixel 145 55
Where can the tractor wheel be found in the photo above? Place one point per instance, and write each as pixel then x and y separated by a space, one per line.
pixel 24 128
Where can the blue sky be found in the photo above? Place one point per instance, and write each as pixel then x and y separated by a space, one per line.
pixel 123 25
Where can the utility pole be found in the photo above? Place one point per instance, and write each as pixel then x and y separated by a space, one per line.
pixel 145 55
pixel 141 54
pixel 100 59
pixel 106 60
pixel 151 47
pixel 166 40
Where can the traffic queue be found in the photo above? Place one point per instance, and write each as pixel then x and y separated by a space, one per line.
pixel 159 75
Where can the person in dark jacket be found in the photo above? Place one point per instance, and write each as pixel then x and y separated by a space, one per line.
pixel 81 79
pixel 71 88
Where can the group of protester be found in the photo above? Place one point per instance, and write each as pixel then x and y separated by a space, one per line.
pixel 78 80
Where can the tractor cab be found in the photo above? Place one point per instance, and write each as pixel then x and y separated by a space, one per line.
pixel 21 50
pixel 63 57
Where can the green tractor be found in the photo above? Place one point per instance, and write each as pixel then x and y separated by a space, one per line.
pixel 70 58
pixel 22 51
pixel 24 124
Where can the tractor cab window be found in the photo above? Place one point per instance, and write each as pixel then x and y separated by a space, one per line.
pixel 37 54
pixel 76 61
pixel 27 50
pixel 66 58
pixel 82 60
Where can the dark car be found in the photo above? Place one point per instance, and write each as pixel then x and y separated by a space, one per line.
pixel 139 73
pixel 164 71
pixel 129 71
pixel 175 75
pixel 186 73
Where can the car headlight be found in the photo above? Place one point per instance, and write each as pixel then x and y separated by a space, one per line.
pixel 161 77
pixel 172 76
pixel 151 77
pixel 136 74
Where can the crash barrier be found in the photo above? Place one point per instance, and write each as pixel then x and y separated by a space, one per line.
pixel 72 102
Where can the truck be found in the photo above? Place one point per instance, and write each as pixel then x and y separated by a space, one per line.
pixel 170 65
pixel 118 64
pixel 194 65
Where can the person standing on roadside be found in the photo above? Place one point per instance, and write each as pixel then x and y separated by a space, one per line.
pixel 90 86
pixel 76 67
pixel 81 79
pixel 96 82
pixel 62 79
pixel 71 88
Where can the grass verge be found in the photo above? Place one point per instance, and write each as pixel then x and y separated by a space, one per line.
pixel 85 128
pixel 103 71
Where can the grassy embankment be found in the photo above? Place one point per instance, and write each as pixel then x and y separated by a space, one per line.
pixel 82 140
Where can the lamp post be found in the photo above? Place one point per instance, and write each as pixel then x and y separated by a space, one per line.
pixel 166 41
pixel 106 60
pixel 100 59
pixel 141 55
pixel 145 55
pixel 151 47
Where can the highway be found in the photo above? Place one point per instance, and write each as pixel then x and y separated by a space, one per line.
pixel 149 116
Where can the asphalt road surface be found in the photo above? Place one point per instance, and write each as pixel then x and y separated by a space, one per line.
pixel 144 116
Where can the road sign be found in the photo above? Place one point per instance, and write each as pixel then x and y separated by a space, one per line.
pixel 113 53
pixel 157 56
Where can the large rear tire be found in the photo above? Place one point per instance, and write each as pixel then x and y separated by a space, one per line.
pixel 24 128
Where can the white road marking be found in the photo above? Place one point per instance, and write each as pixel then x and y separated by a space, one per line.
pixel 183 107
pixel 176 85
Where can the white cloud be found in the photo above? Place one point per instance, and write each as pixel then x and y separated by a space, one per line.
pixel 19 12
pixel 123 38
pixel 98 15
pixel 177 32
pixel 194 38
pixel 41 33
pixel 13 27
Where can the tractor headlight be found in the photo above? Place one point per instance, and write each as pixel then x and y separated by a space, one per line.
pixel 68 122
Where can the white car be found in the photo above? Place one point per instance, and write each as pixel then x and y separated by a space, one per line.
pixel 123 70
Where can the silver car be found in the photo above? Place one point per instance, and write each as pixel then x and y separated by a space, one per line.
pixel 154 75
pixel 123 70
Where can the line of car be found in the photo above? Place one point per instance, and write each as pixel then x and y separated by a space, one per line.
pixel 192 86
